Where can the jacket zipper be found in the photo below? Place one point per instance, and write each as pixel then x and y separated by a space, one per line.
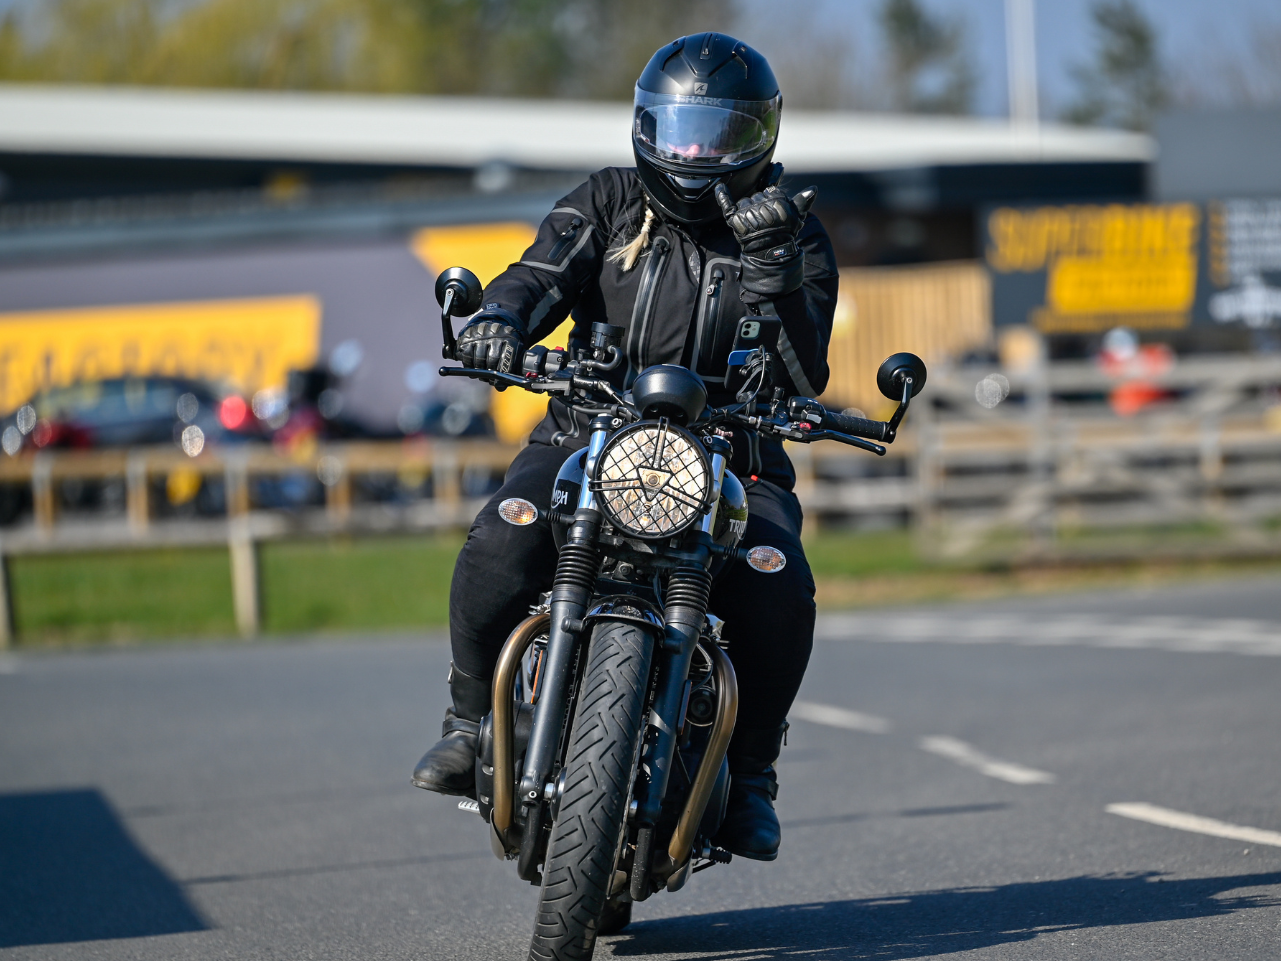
pixel 711 314
pixel 644 308
pixel 566 238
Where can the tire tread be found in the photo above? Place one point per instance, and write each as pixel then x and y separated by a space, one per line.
pixel 600 763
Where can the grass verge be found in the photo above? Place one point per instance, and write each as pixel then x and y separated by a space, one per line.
pixel 132 596
pixel 403 583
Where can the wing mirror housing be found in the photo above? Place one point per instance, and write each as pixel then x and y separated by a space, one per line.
pixel 900 378
pixel 458 292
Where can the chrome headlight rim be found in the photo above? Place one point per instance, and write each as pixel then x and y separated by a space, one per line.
pixel 607 490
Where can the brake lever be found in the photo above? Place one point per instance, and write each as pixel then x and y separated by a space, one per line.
pixel 837 436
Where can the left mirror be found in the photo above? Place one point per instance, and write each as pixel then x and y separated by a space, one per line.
pixel 466 288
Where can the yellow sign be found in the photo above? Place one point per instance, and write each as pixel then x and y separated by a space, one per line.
pixel 484 249
pixel 1104 265
pixel 1094 285
pixel 487 250
pixel 249 344
pixel 1033 240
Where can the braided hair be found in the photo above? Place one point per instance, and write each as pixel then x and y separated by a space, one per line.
pixel 627 254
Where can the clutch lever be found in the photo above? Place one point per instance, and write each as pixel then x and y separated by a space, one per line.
pixel 491 376
pixel 837 436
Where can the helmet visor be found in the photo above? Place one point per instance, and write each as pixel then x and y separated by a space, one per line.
pixel 704 131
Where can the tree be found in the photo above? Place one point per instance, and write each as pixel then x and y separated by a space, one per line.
pixel 1125 86
pixel 1219 76
pixel 584 48
pixel 929 69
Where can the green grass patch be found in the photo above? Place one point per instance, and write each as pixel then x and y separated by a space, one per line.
pixel 129 596
pixel 403 583
pixel 343 585
pixel 862 553
pixel 121 596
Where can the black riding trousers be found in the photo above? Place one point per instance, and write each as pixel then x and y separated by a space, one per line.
pixel 769 618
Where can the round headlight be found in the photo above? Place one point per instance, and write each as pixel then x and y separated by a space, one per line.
pixel 652 480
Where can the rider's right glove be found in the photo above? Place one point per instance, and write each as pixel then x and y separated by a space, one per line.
pixel 488 344
pixel 766 225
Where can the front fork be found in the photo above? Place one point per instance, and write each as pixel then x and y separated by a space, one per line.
pixel 575 579
pixel 685 611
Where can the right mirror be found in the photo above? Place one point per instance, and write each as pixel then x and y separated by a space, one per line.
pixel 890 375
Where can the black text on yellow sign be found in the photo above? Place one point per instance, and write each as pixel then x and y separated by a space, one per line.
pixel 1103 265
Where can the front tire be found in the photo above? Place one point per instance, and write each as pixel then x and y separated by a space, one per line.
pixel 600 765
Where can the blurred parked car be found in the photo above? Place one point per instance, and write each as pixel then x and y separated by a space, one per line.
pixel 126 412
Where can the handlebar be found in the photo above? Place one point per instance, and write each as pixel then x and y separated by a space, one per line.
pixel 857 426
pixel 800 419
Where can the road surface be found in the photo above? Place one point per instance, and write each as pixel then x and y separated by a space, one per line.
pixel 1093 776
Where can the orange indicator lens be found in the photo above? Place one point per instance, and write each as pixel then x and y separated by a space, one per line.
pixel 518 511
pixel 767 560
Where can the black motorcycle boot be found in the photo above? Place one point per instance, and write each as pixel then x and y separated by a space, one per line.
pixel 450 766
pixel 750 828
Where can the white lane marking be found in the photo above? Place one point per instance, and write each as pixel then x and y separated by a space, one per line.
pixel 1185 634
pixel 1141 811
pixel 967 756
pixel 839 717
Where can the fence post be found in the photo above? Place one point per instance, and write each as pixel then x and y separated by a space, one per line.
pixel 336 479
pixel 42 491
pixel 7 626
pixel 244 576
pixel 241 547
pixel 446 477
pixel 137 505
pixel 927 464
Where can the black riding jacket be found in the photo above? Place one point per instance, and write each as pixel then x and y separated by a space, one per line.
pixel 680 303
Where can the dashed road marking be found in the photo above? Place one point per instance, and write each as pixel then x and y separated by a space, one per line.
pixel 839 717
pixel 1166 818
pixel 967 756
pixel 1185 634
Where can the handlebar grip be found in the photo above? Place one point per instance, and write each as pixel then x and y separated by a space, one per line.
pixel 855 426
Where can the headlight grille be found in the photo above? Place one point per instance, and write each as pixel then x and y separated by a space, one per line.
pixel 653 480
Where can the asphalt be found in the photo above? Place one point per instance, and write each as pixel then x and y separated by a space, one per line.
pixel 253 800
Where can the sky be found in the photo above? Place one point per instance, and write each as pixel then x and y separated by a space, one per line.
pixel 1186 28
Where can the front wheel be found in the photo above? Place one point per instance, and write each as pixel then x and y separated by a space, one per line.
pixel 599 768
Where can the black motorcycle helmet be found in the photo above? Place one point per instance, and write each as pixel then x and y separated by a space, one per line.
pixel 707 111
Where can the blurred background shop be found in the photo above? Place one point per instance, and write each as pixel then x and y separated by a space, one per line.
pixel 220 223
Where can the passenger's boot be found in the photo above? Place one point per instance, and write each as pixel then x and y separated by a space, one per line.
pixel 750 828
pixel 450 766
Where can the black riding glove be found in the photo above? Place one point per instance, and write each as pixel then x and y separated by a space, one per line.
pixel 487 344
pixel 766 225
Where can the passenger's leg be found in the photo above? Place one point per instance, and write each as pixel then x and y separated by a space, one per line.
pixel 500 572
pixel 769 624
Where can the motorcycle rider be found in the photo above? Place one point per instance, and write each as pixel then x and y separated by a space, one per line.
pixel 676 250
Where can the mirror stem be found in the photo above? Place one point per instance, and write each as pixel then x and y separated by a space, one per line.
pixel 902 404
pixel 450 350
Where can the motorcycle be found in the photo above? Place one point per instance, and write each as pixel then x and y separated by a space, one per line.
pixel 601 770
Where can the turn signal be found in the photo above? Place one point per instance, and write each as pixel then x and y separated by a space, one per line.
pixel 767 560
pixel 518 511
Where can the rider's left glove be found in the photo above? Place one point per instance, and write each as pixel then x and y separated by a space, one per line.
pixel 766 225
pixel 488 344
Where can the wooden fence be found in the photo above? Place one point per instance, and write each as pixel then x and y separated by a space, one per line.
pixel 938 311
pixel 337 469
pixel 1049 473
